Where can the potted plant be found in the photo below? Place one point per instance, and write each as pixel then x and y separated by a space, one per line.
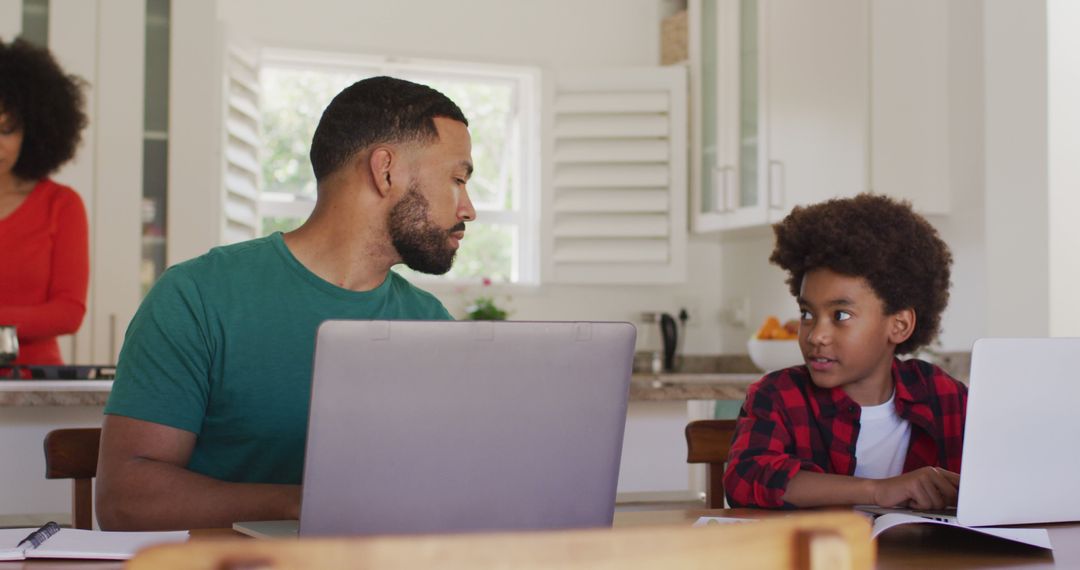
pixel 484 308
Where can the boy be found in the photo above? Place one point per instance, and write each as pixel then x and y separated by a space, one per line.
pixel 854 424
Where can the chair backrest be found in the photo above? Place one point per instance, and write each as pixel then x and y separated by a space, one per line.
pixel 836 541
pixel 708 441
pixel 73 454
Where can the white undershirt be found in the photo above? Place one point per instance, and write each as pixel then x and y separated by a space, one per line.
pixel 883 441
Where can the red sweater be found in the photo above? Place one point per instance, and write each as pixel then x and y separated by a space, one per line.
pixel 44 270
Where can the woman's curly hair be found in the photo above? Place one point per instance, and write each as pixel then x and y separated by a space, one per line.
pixel 879 239
pixel 45 103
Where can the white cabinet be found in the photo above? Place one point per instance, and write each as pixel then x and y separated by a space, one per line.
pixel 653 463
pixel 815 103
pixel 796 102
pixel 782 109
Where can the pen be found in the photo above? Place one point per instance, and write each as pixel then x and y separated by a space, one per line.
pixel 40 535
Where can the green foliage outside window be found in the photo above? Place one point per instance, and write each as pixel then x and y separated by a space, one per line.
pixel 293 101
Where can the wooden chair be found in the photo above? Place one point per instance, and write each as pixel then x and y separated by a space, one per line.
pixel 836 541
pixel 73 454
pixel 708 442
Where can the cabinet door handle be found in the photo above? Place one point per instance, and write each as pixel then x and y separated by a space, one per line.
pixel 721 190
pixel 777 181
pixel 718 190
pixel 730 203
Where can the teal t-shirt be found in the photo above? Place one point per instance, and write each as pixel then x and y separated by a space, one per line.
pixel 222 347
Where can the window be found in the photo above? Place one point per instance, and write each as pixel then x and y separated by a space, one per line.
pixel 501 104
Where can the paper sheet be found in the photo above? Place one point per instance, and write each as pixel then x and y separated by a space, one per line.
pixel 90 544
pixel 703 521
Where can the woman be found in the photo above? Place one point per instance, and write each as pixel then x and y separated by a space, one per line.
pixel 44 265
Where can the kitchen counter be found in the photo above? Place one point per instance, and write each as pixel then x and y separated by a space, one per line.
pixel 665 387
pixel 643 387
pixel 698 382
pixel 37 393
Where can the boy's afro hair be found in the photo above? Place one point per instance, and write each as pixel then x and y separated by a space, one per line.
pixel 879 239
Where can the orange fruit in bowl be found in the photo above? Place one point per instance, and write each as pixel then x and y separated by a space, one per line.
pixel 766 353
pixel 772 324
pixel 792 327
pixel 773 330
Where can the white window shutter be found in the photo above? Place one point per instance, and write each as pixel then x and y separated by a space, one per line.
pixel 241 169
pixel 616 176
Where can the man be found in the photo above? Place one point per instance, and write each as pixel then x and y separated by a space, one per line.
pixel 207 420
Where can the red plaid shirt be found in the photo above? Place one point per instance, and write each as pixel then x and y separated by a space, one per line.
pixel 788 424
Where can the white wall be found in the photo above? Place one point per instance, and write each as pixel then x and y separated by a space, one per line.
pixel 194 87
pixel 997 229
pixel 1063 71
pixel 964 229
pixel 748 275
pixel 1017 207
pixel 24 489
pixel 552 34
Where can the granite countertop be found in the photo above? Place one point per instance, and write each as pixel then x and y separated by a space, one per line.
pixel 643 387
pixel 690 386
pixel 724 377
pixel 698 378
pixel 33 393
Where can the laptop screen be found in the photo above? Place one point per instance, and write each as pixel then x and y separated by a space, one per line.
pixel 424 426
pixel 1018 466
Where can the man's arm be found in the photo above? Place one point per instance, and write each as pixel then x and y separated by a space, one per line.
pixel 143 484
pixel 925 488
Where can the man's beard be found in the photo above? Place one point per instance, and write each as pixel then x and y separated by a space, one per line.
pixel 422 245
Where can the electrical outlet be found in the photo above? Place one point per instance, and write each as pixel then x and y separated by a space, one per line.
pixel 737 312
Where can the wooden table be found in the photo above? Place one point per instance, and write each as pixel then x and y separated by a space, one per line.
pixel 909 547
pixel 919 546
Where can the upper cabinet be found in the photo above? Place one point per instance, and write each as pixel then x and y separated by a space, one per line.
pixel 815 104
pixel 795 102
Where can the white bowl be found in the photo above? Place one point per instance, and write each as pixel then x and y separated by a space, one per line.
pixel 770 355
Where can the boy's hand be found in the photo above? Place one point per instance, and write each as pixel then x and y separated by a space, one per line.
pixel 924 488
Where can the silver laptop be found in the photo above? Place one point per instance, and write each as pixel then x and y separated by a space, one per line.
pixel 423 427
pixel 1018 466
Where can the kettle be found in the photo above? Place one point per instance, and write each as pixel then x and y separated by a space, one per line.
pixel 669 336
pixel 666 358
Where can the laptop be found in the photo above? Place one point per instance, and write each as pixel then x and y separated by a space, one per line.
pixel 1018 466
pixel 458 426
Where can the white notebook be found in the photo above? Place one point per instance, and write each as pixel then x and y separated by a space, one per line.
pixel 86 544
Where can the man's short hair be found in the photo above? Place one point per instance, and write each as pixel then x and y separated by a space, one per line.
pixel 377 110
